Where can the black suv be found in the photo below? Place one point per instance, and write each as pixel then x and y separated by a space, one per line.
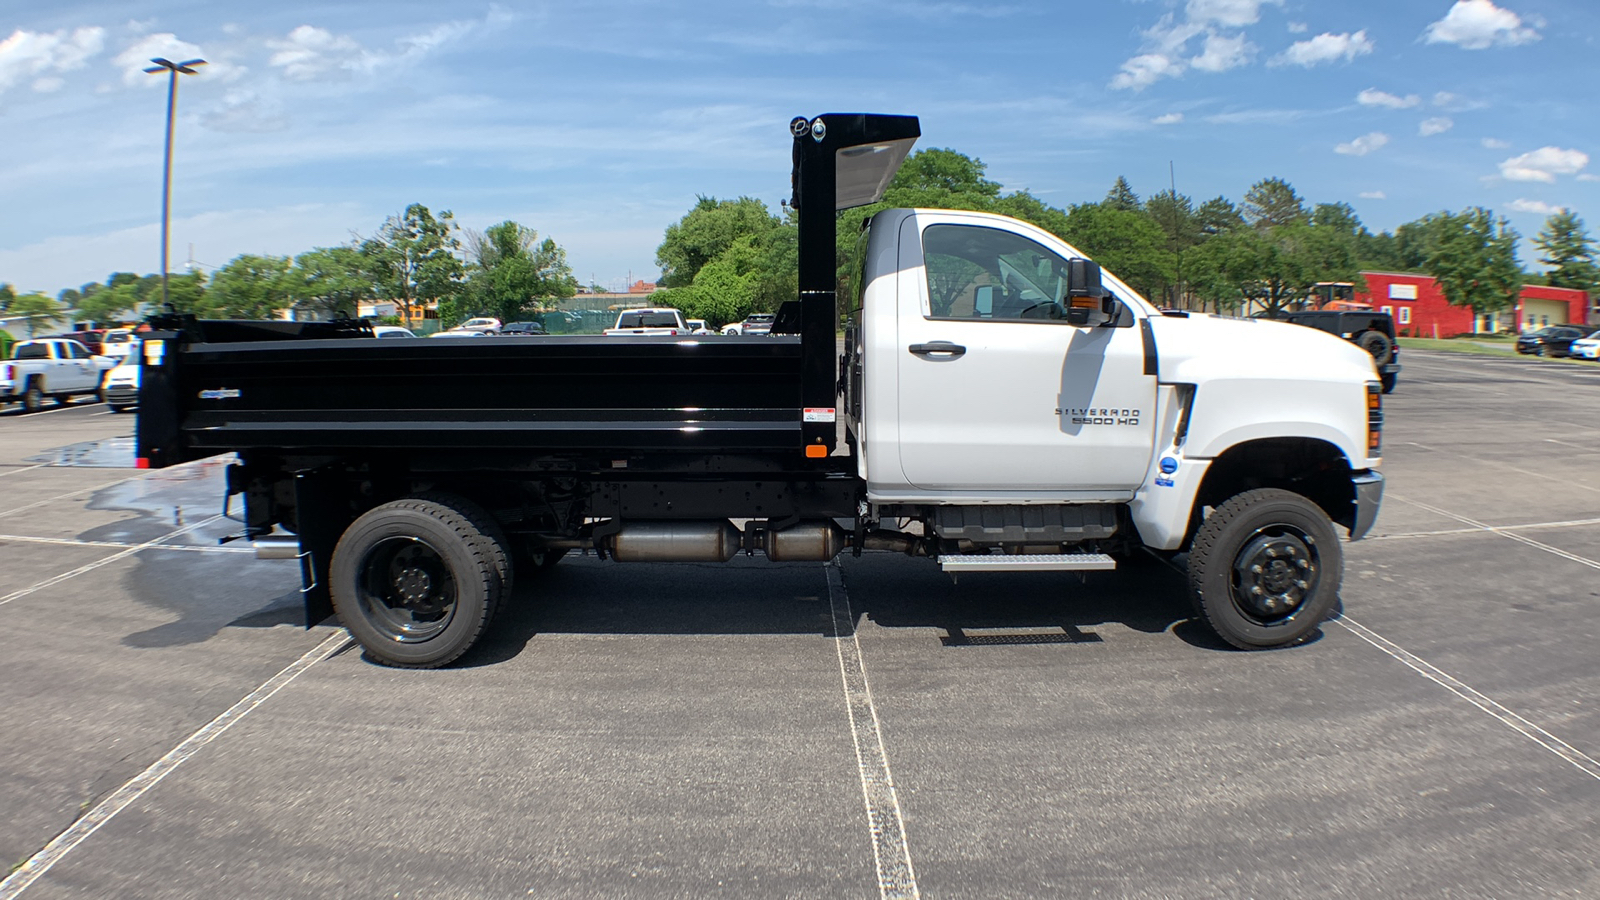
pixel 1371 330
pixel 1552 340
pixel 524 328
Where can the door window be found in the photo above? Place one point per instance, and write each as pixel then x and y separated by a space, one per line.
pixel 983 273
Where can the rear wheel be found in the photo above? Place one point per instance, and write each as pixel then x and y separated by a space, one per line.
pixel 418 580
pixel 1265 568
pixel 1389 382
pixel 1378 344
pixel 33 397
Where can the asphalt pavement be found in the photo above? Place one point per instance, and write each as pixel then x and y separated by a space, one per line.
pixel 868 729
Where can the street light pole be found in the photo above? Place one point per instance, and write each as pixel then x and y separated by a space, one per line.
pixel 187 68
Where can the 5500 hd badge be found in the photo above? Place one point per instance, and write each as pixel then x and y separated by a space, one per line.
pixel 1101 416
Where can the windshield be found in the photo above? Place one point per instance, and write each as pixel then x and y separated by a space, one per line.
pixel 118 338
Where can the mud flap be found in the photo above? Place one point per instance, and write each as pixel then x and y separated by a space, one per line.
pixel 320 517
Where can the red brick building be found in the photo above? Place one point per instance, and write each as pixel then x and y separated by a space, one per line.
pixel 1420 310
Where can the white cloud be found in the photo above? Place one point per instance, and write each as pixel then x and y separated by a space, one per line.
pixel 1232 13
pixel 1495 143
pixel 1477 25
pixel 309 53
pixel 1544 164
pixel 1588 176
pixel 1363 145
pixel 48 84
pixel 1533 206
pixel 1142 71
pixel 1373 195
pixel 1435 125
pixel 1325 48
pixel 244 111
pixel 1375 97
pixel 1222 53
pixel 1298 28
pixel 1168 119
pixel 40 55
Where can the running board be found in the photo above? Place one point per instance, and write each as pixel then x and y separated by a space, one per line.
pixel 1051 562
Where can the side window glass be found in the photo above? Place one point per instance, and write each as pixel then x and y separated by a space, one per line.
pixel 78 350
pixel 983 273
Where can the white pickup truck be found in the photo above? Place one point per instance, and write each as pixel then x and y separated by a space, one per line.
pixel 58 368
pixel 640 322
pixel 1000 405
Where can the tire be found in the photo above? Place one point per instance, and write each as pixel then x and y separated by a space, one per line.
pixel 545 560
pixel 417 581
pixel 32 397
pixel 1378 344
pixel 1247 565
pixel 119 409
pixel 1389 381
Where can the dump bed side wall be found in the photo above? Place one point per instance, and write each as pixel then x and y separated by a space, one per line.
pixel 706 394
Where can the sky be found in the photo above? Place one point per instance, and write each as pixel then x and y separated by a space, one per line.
pixel 599 123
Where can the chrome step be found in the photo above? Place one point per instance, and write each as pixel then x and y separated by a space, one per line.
pixel 1042 562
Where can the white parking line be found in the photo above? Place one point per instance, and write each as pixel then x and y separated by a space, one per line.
pixel 1478 529
pixel 48 500
pixel 1583 761
pixel 40 863
pixel 24 469
pixel 70 542
pixel 1503 531
pixel 89 567
pixel 897 880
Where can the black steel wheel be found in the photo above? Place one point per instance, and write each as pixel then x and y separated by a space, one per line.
pixel 1389 381
pixel 1264 569
pixel 32 397
pixel 417 581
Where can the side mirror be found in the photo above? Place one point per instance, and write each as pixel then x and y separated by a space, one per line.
pixel 1083 279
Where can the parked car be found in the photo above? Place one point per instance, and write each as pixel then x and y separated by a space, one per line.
pixel 697 326
pixel 482 323
pixel 1371 330
pixel 93 338
pixel 121 385
pixel 1585 348
pixel 117 342
pixel 457 333
pixel 755 323
pixel 392 331
pixel 1553 340
pixel 646 322
pixel 58 368
pixel 524 328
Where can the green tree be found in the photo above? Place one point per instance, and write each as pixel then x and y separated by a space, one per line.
pixel 250 287
pixel 1473 256
pixel 186 292
pixel 38 309
pixel 107 305
pixel 1121 196
pixel 1273 203
pixel 512 273
pixel 7 295
pixel 329 282
pixel 1568 252
pixel 412 260
pixel 708 229
pixel 1129 244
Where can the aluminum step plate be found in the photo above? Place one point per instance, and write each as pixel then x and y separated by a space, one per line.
pixel 1044 562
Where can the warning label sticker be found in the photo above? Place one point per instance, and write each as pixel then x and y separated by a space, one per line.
pixel 818 414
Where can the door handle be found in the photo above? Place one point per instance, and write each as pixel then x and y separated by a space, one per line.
pixel 938 350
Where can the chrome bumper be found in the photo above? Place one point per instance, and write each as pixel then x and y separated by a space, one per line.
pixel 1369 496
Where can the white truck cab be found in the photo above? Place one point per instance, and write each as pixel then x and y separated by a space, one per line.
pixel 998 388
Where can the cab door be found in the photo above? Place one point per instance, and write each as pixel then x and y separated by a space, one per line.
pixel 1003 384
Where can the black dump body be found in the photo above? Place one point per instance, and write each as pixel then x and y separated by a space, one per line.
pixel 332 388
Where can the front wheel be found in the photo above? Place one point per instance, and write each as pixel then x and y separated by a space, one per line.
pixel 417 581
pixel 1265 568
